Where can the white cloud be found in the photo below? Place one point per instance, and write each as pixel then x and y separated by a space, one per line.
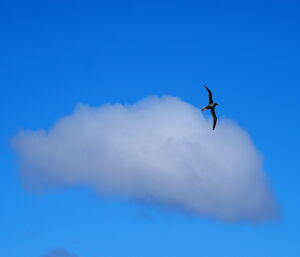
pixel 161 150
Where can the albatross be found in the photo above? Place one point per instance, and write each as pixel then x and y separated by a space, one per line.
pixel 211 106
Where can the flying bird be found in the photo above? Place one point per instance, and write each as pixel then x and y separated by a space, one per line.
pixel 211 106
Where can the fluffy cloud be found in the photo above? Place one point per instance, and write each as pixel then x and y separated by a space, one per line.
pixel 59 252
pixel 159 150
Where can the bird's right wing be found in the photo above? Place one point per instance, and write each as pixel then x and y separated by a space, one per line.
pixel 209 95
pixel 213 113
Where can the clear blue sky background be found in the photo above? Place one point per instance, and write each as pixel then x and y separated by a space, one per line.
pixel 55 54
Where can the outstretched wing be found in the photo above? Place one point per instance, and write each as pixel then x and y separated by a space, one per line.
pixel 213 113
pixel 209 95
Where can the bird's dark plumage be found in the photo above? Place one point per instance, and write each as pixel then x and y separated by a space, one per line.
pixel 211 106
pixel 209 95
pixel 213 113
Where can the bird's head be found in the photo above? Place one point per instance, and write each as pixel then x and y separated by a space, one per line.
pixel 216 104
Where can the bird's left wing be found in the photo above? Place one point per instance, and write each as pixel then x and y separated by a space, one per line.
pixel 209 95
pixel 213 113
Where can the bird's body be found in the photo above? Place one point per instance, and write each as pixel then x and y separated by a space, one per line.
pixel 211 106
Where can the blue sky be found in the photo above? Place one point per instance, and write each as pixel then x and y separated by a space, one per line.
pixel 57 54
